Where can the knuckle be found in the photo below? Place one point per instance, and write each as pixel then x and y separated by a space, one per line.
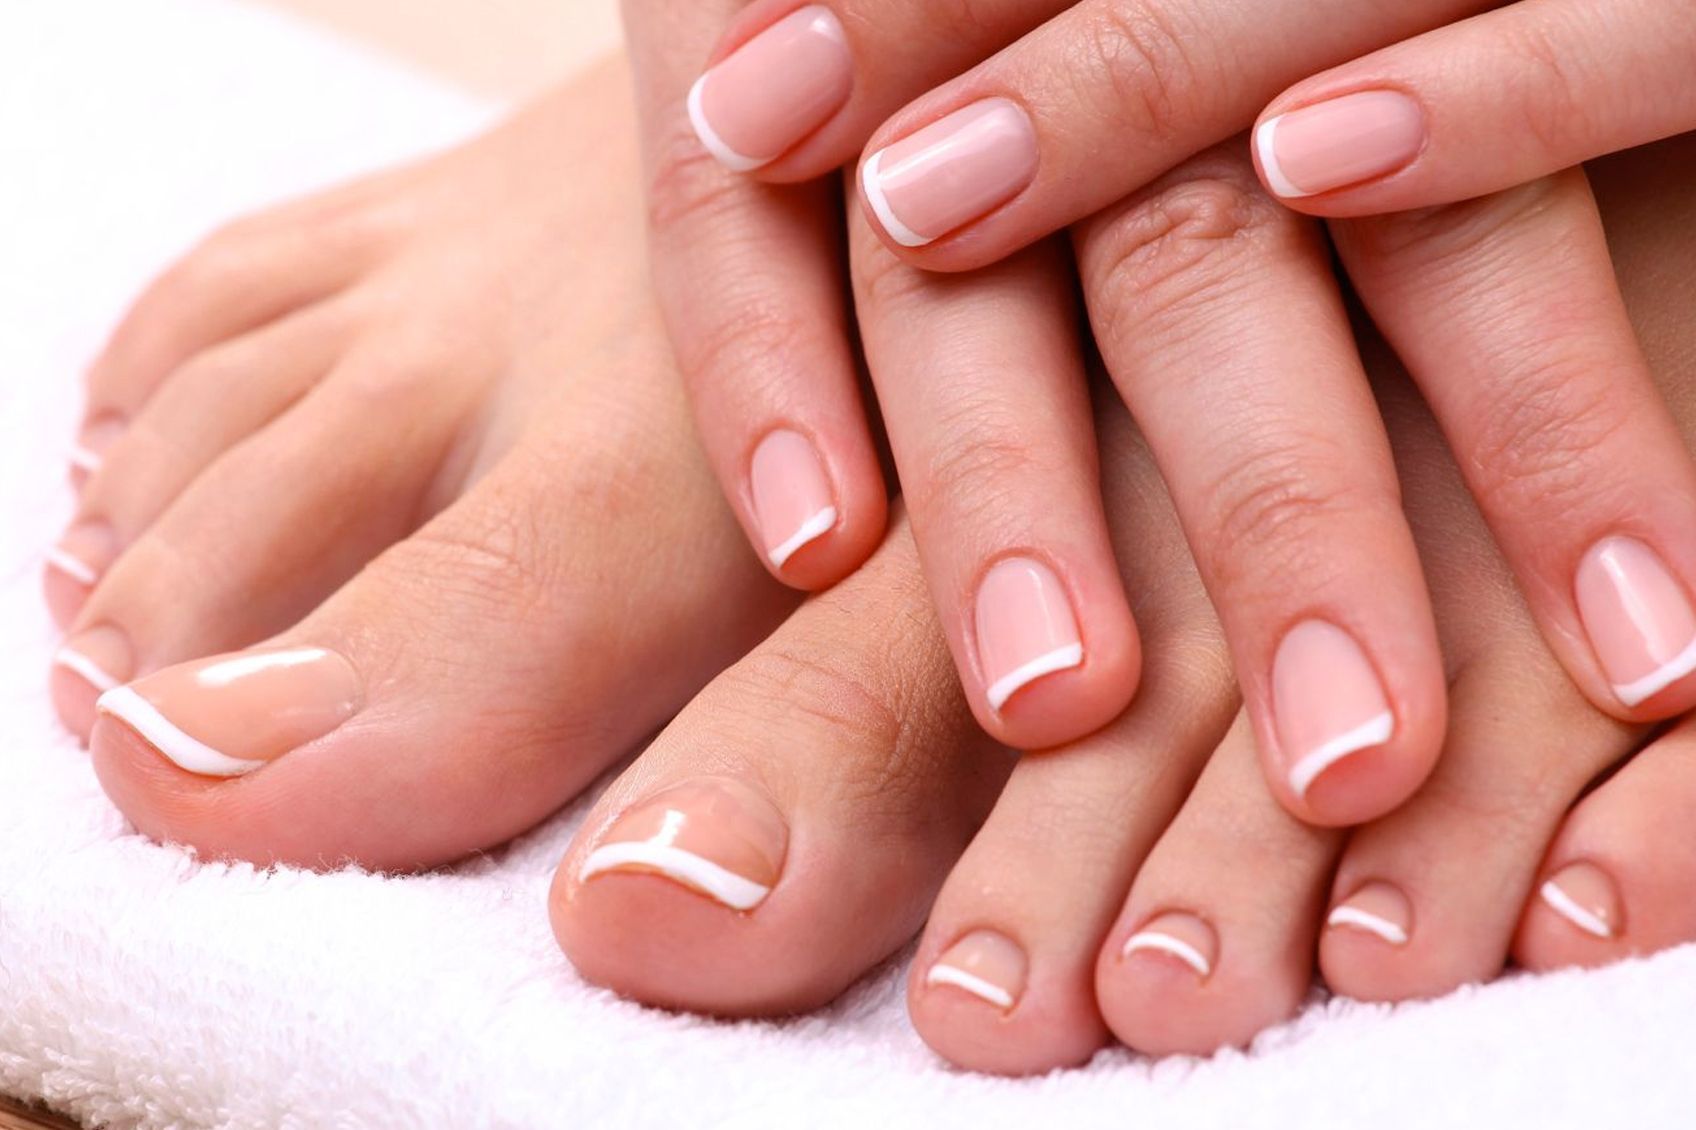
pixel 1148 63
pixel 1545 86
pixel 980 466
pixel 687 188
pixel 752 338
pixel 1449 237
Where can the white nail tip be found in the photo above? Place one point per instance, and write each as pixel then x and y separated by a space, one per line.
pixel 711 141
pixel 85 460
pixel 1658 680
pixel 1562 904
pixel 186 752
pixel 1167 944
pixel 1265 145
pixel 90 671
pixel 871 183
pixel 73 567
pixel 1346 915
pixel 811 530
pixel 1060 659
pixel 1374 732
pixel 685 867
pixel 971 983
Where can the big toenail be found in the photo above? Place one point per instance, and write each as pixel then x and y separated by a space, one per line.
pixel 1583 894
pixel 1026 628
pixel 1177 936
pixel 88 453
pixel 1327 700
pixel 793 501
pixel 99 656
pixel 1638 617
pixel 717 837
pixel 1376 908
pixel 231 714
pixel 85 552
pixel 988 965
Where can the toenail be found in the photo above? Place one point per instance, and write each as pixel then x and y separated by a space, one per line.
pixel 85 552
pixel 1327 701
pixel 99 656
pixel 1025 627
pixel 793 502
pixel 1183 937
pixel 988 965
pixel 1376 908
pixel 1638 617
pixel 88 453
pixel 231 714
pixel 718 838
pixel 1583 894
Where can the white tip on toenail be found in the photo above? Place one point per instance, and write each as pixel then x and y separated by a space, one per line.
pixel 1659 679
pixel 1346 915
pixel 90 671
pixel 971 983
pixel 73 567
pixel 685 867
pixel 1060 659
pixel 811 530
pixel 1564 905
pixel 1374 732
pixel 162 734
pixel 1167 944
pixel 84 460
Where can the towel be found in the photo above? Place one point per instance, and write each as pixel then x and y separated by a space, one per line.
pixel 141 987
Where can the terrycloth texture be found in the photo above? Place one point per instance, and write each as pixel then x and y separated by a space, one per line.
pixel 140 988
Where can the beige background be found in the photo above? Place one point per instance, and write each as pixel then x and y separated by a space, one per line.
pixel 508 48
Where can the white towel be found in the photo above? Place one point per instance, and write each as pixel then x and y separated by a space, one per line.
pixel 141 988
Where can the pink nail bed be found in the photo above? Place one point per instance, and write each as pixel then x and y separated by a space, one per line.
pixel 1638 617
pixel 1026 629
pixel 1327 701
pixel 951 172
pixel 1340 142
pixel 774 90
pixel 793 502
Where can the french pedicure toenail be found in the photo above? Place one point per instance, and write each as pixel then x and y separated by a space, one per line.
pixel 1178 937
pixel 1327 701
pixel 88 453
pixel 774 90
pixel 85 552
pixel 1638 617
pixel 231 714
pixel 988 965
pixel 793 501
pixel 1583 894
pixel 716 837
pixel 1344 141
pixel 1025 627
pixel 99 656
pixel 951 172
pixel 1378 909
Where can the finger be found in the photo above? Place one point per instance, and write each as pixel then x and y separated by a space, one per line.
pixel 1482 105
pixel 1094 104
pixel 751 284
pixel 1218 317
pixel 1531 365
pixel 982 382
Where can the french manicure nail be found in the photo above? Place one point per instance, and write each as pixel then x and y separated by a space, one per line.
pixel 988 965
pixel 1340 142
pixel 793 502
pixel 1376 908
pixel 951 172
pixel 716 837
pixel 99 656
pixel 1638 617
pixel 1182 937
pixel 1327 701
pixel 231 714
pixel 1025 627
pixel 1583 894
pixel 774 90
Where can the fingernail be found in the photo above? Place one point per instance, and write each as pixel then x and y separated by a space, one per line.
pixel 1376 908
pixel 951 172
pixel 1638 618
pixel 988 965
pixel 88 454
pixel 1181 937
pixel 99 656
pixel 1327 701
pixel 774 90
pixel 231 714
pixel 1344 141
pixel 85 552
pixel 1583 894
pixel 715 837
pixel 1025 627
pixel 793 502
